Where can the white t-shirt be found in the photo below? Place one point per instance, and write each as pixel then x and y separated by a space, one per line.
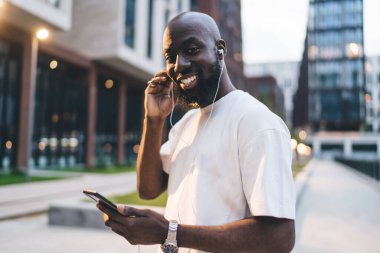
pixel 232 165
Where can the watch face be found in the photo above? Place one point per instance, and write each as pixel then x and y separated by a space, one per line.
pixel 169 248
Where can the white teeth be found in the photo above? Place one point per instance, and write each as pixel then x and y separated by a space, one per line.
pixel 188 80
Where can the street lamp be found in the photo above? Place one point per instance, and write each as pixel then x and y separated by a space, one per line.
pixel 42 34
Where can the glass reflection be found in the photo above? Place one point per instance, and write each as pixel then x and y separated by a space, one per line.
pixel 60 114
pixel 10 69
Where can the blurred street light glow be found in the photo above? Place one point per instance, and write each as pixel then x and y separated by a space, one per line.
pixel 64 142
pixel 53 64
pixel 53 142
pixel 313 52
pixel 303 149
pixel 367 98
pixel 353 50
pixel 302 134
pixel 293 143
pixel 41 145
pixel 8 145
pixel 136 148
pixel 42 34
pixel 308 151
pixel 55 118
pixel 73 142
pixel 108 84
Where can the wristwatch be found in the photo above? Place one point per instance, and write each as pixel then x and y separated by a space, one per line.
pixel 170 244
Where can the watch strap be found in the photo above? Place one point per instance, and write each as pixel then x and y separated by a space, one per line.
pixel 172 232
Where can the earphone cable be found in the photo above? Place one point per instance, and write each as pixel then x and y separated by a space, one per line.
pixel 171 114
pixel 216 93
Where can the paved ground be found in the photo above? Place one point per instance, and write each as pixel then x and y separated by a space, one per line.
pixel 339 211
pixel 34 235
pixel 20 199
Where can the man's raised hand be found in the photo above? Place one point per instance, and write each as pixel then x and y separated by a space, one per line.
pixel 158 101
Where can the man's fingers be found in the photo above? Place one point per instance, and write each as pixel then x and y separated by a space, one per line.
pixel 101 207
pixel 105 208
pixel 160 81
pixel 131 211
pixel 121 209
pixel 157 80
pixel 161 73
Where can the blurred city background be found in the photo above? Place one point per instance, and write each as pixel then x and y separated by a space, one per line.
pixel 72 80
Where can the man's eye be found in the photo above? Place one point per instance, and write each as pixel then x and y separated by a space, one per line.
pixel 192 50
pixel 170 58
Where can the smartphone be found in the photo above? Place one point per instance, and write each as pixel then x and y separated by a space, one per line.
pixel 97 196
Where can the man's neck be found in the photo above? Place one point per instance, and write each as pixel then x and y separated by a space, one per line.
pixel 226 87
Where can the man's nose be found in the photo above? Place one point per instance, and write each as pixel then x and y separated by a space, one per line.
pixel 181 63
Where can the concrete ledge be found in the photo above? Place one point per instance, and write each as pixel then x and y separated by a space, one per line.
pixel 81 214
pixel 75 214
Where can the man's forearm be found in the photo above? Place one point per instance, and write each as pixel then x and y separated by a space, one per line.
pixel 150 177
pixel 264 234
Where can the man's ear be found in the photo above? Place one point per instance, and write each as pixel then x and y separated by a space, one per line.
pixel 222 48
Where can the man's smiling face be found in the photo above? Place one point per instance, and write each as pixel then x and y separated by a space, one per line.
pixel 191 61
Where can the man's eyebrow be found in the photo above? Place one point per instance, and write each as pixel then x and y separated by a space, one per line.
pixel 190 40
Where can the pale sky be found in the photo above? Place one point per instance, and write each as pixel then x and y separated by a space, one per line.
pixel 274 30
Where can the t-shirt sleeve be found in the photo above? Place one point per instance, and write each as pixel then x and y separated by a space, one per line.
pixel 265 163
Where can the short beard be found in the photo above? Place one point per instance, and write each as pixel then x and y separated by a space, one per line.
pixel 203 94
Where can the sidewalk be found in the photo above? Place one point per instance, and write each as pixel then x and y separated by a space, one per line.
pixel 339 211
pixel 32 234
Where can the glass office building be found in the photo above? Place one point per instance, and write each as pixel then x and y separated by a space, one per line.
pixel 336 65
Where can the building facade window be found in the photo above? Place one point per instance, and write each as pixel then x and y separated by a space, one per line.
pixel 10 69
pixel 53 3
pixel 150 29
pixel 194 5
pixel 179 5
pixel 134 112
pixel 130 11
pixel 59 114
pixel 106 121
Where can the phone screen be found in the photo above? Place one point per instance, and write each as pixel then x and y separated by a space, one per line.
pixel 97 196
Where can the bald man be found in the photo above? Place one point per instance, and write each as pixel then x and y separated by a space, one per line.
pixel 227 163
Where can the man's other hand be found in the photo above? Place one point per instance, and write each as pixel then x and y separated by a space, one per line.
pixel 138 226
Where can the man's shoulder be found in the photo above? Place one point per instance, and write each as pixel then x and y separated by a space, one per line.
pixel 245 103
pixel 257 116
pixel 189 114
